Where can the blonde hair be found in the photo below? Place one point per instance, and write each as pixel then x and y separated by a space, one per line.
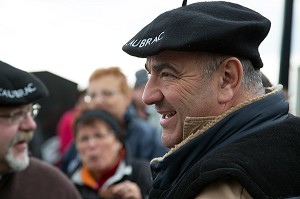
pixel 113 71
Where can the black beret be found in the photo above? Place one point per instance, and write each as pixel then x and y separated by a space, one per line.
pixel 217 27
pixel 18 87
pixel 101 115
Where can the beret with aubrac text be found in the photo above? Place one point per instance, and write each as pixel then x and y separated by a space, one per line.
pixel 18 87
pixel 216 27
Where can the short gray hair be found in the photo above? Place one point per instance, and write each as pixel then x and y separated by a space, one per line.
pixel 251 80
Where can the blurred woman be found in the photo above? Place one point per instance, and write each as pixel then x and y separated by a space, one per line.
pixel 105 171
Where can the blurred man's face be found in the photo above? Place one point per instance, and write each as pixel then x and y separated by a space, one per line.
pixel 16 130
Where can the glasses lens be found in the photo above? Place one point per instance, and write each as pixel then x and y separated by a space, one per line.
pixel 87 98
pixel 18 116
pixel 35 110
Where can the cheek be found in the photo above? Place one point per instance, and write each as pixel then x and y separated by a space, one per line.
pixel 197 99
pixel 179 98
pixel 120 105
pixel 81 149
pixel 5 141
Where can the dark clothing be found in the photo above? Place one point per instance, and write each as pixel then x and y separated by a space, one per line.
pixel 135 170
pixel 257 145
pixel 39 180
pixel 142 141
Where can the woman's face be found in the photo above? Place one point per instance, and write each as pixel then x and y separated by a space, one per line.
pixel 106 94
pixel 97 145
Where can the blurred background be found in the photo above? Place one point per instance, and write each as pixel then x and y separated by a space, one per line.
pixel 71 38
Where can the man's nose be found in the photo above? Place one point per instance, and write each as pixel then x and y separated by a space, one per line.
pixel 152 93
pixel 28 123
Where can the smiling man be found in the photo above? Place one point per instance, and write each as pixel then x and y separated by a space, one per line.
pixel 22 176
pixel 229 136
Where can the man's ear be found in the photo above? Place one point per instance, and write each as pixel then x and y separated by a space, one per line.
pixel 230 77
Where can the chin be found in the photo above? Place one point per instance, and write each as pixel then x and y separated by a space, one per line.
pixel 17 163
pixel 93 166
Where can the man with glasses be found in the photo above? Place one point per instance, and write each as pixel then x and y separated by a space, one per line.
pixel 22 176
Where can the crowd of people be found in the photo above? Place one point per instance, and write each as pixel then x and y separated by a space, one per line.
pixel 224 131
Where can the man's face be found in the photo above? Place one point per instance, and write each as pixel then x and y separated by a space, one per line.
pixel 178 90
pixel 14 137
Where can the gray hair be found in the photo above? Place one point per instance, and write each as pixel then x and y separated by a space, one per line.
pixel 251 80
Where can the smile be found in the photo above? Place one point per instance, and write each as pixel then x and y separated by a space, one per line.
pixel 167 116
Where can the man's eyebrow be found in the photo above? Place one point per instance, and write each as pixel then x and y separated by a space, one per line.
pixel 160 67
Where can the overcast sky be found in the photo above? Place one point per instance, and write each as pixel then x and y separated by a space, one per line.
pixel 72 38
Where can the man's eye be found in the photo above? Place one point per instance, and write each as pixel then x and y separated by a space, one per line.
pixel 164 74
pixel 17 114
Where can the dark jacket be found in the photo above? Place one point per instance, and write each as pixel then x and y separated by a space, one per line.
pixel 38 181
pixel 257 145
pixel 143 140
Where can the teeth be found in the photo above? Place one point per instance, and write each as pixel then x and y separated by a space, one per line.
pixel 166 116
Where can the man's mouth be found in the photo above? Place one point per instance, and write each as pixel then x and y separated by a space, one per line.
pixel 168 115
pixel 23 138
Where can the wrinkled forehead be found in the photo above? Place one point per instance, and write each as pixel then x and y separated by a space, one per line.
pixel 176 58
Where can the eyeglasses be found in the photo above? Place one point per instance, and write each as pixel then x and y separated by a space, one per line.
pixel 105 94
pixel 18 116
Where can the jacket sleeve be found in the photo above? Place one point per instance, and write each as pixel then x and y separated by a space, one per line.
pixel 224 189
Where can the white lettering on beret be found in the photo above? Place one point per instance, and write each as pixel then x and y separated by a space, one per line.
pixel 145 42
pixel 19 93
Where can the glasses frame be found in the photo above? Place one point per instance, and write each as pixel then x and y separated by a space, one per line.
pixel 17 116
pixel 105 94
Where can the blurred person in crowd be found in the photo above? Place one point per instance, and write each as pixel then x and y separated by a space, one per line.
pixel 105 170
pixel 65 124
pixel 230 137
pixel 146 112
pixel 22 176
pixel 108 90
pixel 266 83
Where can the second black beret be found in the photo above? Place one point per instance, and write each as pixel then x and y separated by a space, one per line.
pixel 18 87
